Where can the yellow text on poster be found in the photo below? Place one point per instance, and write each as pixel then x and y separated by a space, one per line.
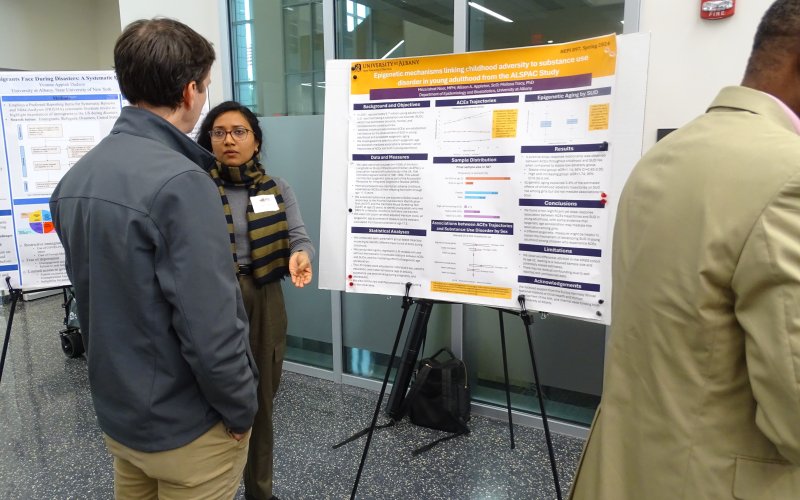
pixel 494 292
pixel 598 117
pixel 504 123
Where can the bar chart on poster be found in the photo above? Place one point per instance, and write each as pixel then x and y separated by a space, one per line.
pixel 483 176
pixel 49 121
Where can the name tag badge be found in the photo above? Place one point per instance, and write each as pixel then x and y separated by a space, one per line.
pixel 264 203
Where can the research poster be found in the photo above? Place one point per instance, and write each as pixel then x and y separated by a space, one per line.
pixel 49 121
pixel 484 176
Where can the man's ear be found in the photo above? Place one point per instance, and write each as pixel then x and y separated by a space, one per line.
pixel 189 94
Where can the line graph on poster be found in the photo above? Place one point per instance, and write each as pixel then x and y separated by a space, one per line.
pixel 484 260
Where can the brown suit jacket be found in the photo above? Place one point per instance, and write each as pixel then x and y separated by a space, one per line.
pixel 701 395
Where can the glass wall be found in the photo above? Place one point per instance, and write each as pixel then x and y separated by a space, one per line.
pixel 370 324
pixel 278 57
pixel 278 66
pixel 305 61
pixel 569 356
pixel 371 29
pixel 500 24
pixel 243 54
pixel 377 29
pixel 292 150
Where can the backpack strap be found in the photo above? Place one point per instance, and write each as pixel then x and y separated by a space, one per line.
pixel 413 393
pixel 363 432
pixel 452 399
pixel 447 389
pixel 423 449
pixel 452 409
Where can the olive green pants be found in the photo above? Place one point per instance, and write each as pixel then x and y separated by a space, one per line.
pixel 267 313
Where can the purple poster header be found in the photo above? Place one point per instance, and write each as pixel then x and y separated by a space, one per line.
pixel 390 157
pixel 587 252
pixel 473 159
pixel 472 101
pixel 572 94
pixel 82 97
pixel 392 105
pixel 567 148
pixel 393 231
pixel 573 285
pixel 517 86
pixel 523 202
pixel 459 226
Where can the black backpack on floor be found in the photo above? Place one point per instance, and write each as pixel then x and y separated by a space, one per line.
pixel 439 397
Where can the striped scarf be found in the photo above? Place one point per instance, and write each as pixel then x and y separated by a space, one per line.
pixel 268 231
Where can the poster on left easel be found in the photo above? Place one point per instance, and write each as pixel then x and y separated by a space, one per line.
pixel 48 120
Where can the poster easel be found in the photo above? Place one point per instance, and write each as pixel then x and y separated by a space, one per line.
pixel 415 337
pixel 16 296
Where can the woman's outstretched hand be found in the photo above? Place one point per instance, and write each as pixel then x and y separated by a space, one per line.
pixel 300 269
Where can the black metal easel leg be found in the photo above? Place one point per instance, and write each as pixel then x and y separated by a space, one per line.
pixel 526 319
pixel 15 295
pixel 505 373
pixel 406 304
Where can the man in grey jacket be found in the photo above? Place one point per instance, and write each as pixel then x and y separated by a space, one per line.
pixel 148 252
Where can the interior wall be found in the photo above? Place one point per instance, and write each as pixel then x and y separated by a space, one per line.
pixel 201 15
pixel 108 29
pixel 692 58
pixel 57 35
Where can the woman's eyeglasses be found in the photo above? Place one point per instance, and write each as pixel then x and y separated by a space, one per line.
pixel 239 134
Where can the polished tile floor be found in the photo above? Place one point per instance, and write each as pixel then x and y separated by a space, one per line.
pixel 51 447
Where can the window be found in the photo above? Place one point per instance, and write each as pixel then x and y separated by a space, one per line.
pixel 356 13
pixel 384 29
pixel 500 24
pixel 243 53
pixel 304 57
pixel 277 56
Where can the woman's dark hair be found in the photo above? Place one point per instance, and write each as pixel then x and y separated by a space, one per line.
pixel 204 139
pixel 155 59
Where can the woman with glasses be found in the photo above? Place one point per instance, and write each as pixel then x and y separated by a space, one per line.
pixel 268 242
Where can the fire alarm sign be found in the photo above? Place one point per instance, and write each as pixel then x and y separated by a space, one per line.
pixel 717 9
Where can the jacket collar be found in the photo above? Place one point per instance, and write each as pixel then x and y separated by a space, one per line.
pixel 753 101
pixel 143 123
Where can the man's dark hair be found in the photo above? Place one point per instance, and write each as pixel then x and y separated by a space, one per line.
pixel 204 139
pixel 777 33
pixel 156 58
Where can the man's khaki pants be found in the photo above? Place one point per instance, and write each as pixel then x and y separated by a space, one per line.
pixel 210 467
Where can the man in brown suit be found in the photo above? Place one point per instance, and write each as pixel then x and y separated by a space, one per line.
pixel 701 393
